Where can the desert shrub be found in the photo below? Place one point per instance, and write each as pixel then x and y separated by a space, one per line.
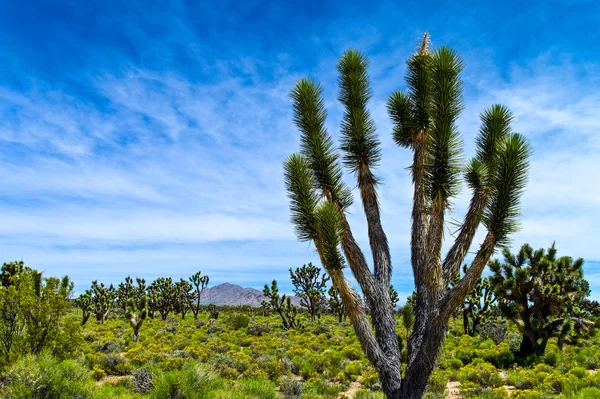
pixel 199 323
pixel 450 363
pixel 180 353
pixel 479 372
pixel 290 387
pixel 495 330
pixel 588 393
pixel 115 365
pixel 437 385
pixel 256 388
pixel 258 329
pixel 107 347
pixel 514 341
pixel 320 388
pixel 238 320
pixel 142 381
pixel 194 381
pixel 214 329
pixel 366 394
pixel 44 377
pixel 322 328
pixel 352 353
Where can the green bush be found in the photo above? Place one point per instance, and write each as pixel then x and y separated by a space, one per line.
pixel 44 377
pixel 194 381
pixel 239 320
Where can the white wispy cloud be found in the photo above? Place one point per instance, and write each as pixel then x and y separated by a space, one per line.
pixel 167 175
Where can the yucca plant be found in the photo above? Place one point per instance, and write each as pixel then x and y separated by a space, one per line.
pixel 137 311
pixel 200 282
pixel 424 117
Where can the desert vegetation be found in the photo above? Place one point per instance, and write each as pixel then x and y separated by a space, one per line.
pixel 525 330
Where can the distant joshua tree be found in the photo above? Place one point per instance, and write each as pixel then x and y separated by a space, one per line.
pixel 309 285
pixel 200 282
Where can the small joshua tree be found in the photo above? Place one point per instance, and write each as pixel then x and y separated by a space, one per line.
pixel 137 311
pixel 283 305
pixel 84 302
pixel 408 317
pixel 478 305
pixel 540 294
pixel 394 298
pixel 213 312
pixel 309 285
pixel 424 120
pixel 336 306
pixel 200 282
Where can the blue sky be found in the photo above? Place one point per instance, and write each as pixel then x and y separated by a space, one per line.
pixel 146 138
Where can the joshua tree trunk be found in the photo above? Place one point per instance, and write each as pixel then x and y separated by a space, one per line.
pixel 425 122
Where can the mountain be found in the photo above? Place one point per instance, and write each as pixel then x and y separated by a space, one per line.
pixel 233 294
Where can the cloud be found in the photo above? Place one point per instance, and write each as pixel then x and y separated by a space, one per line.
pixel 169 150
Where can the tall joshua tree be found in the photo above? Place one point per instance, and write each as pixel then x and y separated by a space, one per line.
pixel 200 282
pixel 309 285
pixel 424 118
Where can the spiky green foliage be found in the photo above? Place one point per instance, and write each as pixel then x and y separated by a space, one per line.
pixel 282 304
pixel 137 311
pixel 445 146
pixel 309 286
pixel 200 282
pixel 358 139
pixel 508 182
pixel 316 144
pixel 103 298
pixel 540 293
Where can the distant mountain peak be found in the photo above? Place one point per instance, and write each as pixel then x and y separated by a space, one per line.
pixel 227 294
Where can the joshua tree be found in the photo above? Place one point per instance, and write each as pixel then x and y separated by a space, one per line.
pixel 200 282
pixel 424 118
pixel 84 302
pixel 540 294
pixel 213 312
pixel 393 297
pixel 164 295
pixel 309 285
pixel 137 311
pixel 185 297
pixel 103 299
pixel 282 304
pixel 336 306
pixel 125 290
pixel 408 317
pixel 478 305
